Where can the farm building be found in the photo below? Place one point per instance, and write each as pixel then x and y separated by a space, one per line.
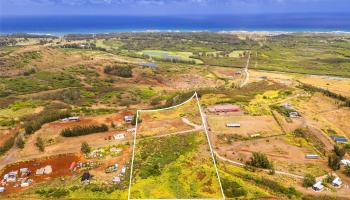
pixel 119 136
pixel 339 139
pixel 233 125
pixel 337 182
pixel 128 118
pixel 224 108
pixel 312 156
pixel 318 186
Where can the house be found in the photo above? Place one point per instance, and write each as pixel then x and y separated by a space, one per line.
pixel 119 136
pixel 337 182
pixel 339 139
pixel 128 118
pixel 345 162
pixel 2 189
pixel 312 156
pixel 233 125
pixel 224 108
pixel 116 179
pixel 86 177
pixel 317 186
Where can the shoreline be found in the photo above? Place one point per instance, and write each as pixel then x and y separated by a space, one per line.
pixel 106 32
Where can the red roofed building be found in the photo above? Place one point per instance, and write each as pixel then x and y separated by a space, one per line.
pixel 224 108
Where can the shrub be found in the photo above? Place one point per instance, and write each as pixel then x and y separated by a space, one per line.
pixel 347 170
pixel 20 143
pixel 119 70
pixel 83 130
pixel 85 147
pixel 309 180
pixel 340 152
pixel 40 144
pixel 52 192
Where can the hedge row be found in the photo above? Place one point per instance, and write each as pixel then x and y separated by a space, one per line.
pixel 83 130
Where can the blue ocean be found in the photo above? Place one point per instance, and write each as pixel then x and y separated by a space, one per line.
pixel 60 25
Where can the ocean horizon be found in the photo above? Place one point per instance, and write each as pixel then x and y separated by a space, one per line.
pixel 61 25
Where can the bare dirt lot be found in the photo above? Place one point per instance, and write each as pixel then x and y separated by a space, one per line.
pixel 279 149
pixel 250 125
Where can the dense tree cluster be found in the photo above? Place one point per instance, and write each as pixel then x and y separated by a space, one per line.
pixel 35 124
pixel 260 160
pixel 309 180
pixel 326 92
pixel 84 130
pixel 119 70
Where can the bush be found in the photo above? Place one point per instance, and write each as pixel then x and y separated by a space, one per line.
pixel 52 192
pixel 119 70
pixel 7 145
pixel 347 170
pixel 85 147
pixel 84 130
pixel 334 162
pixel 309 180
pixel 20 143
pixel 259 160
pixel 40 144
pixel 232 189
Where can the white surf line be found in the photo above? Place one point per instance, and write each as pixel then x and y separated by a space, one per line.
pixel 211 150
pixel 206 132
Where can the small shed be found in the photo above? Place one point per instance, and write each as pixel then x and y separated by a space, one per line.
pixel 318 186
pixel 233 125
pixel 337 182
pixel 119 136
pixel 312 156
pixel 48 169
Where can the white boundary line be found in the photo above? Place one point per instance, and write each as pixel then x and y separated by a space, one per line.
pixel 206 132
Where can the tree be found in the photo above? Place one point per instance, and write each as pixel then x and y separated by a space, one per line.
pixel 340 152
pixel 85 147
pixel 133 122
pixel 40 144
pixel 309 180
pixel 347 170
pixel 334 162
pixel 20 142
pixel 259 160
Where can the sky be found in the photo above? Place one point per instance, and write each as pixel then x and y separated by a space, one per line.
pixel 169 7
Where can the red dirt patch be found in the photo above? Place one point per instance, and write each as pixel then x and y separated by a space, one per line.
pixel 60 167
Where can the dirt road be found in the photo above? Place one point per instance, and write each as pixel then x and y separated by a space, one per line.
pixel 246 73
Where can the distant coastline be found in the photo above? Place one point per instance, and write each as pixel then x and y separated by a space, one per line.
pixel 271 23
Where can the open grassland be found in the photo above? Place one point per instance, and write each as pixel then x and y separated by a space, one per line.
pixel 334 84
pixel 178 166
pixel 182 55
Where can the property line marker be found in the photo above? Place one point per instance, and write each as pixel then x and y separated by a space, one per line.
pixel 205 130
